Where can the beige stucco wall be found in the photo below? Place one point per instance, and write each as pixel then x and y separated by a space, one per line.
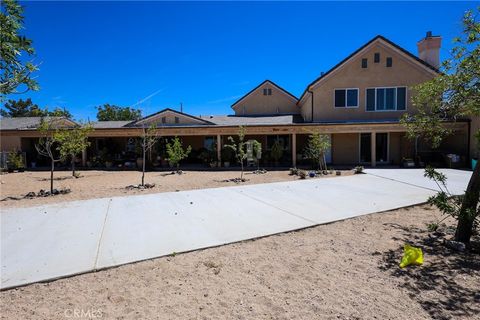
pixel 10 143
pixel 404 72
pixel 345 148
pixel 256 103
pixel 170 119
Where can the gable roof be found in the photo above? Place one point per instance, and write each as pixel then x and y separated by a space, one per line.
pixel 261 84
pixel 407 53
pixel 137 122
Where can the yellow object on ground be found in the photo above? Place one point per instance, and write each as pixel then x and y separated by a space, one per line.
pixel 411 255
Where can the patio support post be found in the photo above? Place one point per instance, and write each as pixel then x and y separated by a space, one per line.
pixel 294 150
pixel 84 157
pixel 374 148
pixel 219 150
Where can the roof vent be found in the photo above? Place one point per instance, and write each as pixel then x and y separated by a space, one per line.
pixel 429 34
pixel 322 73
pixel 211 116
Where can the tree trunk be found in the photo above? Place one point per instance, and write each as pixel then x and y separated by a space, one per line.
pixel 73 165
pixel 241 173
pixel 51 176
pixel 468 210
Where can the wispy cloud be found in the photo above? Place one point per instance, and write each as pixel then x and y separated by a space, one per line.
pixel 226 99
pixel 148 97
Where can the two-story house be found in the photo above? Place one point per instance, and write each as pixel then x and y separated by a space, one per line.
pixel 357 103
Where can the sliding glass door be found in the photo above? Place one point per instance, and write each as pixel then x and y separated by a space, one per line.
pixel 381 147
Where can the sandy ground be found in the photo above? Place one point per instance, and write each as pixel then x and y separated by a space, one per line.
pixel 100 184
pixel 343 270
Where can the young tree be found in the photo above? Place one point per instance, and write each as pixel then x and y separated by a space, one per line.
pixel 315 150
pixel 176 153
pixel 239 148
pixel 71 142
pixel 15 70
pixel 148 139
pixel 46 145
pixel 453 94
pixel 257 152
pixel 109 112
pixel 276 152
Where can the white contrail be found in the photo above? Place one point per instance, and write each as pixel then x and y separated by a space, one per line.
pixel 148 97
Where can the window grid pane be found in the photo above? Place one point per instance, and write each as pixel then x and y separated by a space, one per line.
pixel 390 98
pixel 339 98
pixel 380 99
pixel 370 99
pixel 352 98
pixel 401 98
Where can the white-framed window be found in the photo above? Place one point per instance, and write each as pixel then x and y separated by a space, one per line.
pixel 267 92
pixel 346 98
pixel 386 99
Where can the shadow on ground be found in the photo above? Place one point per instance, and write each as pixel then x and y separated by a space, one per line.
pixel 447 285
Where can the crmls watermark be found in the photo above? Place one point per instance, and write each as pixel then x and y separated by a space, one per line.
pixel 76 313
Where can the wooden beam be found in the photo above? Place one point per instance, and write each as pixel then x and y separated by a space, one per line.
pixel 373 150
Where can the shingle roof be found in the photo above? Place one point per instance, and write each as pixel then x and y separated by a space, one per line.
pixel 252 120
pixel 110 124
pixel 25 123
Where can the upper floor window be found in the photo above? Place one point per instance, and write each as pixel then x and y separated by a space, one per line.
pixel 177 120
pixel 386 99
pixel 267 92
pixel 389 62
pixel 346 98
pixel 164 120
pixel 376 57
pixel 364 63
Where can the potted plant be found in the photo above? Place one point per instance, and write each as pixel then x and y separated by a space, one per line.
pixel 15 161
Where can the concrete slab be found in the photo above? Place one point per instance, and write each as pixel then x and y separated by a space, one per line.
pixel 153 225
pixel 45 242
pixel 51 241
pixel 457 180
pixel 332 199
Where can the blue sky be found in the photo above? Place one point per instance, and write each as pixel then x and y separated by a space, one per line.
pixel 207 55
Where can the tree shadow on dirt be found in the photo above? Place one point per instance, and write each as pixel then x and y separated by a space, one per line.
pixel 447 285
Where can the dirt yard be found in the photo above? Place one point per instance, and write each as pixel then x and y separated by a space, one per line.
pixel 343 270
pixel 100 184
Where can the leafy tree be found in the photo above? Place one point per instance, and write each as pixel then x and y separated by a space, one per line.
pixel 315 150
pixel 239 149
pixel 59 112
pixel 257 152
pixel 453 94
pixel 149 138
pixel 26 108
pixel 46 145
pixel 21 108
pixel 109 112
pixel 71 142
pixel 15 70
pixel 176 153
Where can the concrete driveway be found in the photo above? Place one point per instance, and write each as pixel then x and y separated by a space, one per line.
pixel 53 241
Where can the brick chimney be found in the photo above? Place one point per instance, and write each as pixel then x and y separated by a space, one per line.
pixel 429 49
